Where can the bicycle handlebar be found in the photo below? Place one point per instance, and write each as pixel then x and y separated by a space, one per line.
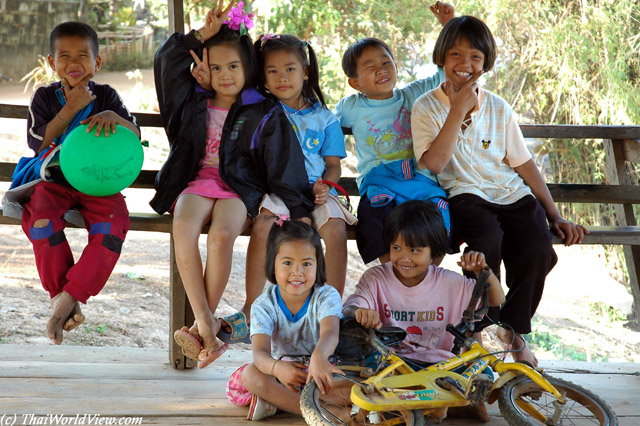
pixel 480 290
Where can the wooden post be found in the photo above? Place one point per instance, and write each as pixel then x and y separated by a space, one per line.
pixel 180 312
pixel 625 217
pixel 176 16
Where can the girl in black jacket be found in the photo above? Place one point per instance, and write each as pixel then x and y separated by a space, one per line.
pixel 229 146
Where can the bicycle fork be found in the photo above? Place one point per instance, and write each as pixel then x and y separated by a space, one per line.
pixel 509 371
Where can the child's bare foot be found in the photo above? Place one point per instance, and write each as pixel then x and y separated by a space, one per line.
pixel 212 347
pixel 522 352
pixel 62 305
pixel 75 318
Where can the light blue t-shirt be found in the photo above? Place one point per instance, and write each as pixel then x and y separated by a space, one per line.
pixel 382 127
pixel 319 134
pixel 296 334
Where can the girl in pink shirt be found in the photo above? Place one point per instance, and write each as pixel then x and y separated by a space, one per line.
pixel 410 292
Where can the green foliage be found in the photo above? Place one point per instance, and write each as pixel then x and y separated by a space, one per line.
pixel 101 329
pixel 129 60
pixel 542 338
pixel 125 17
pixel 41 75
pixel 333 26
pixel 608 312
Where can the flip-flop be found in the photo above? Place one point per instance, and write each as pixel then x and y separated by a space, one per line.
pixel 213 356
pixel 239 329
pixel 189 344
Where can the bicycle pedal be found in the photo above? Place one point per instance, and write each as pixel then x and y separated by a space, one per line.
pixel 480 387
pixel 450 384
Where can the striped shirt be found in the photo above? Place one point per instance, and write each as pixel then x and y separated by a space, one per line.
pixel 486 152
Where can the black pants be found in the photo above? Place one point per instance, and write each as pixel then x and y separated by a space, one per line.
pixel 516 234
pixel 369 229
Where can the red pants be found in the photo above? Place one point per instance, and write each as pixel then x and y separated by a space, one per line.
pixel 106 219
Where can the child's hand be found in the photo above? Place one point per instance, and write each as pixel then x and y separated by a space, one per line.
pixel 568 231
pixel 201 71
pixel 291 374
pixel 104 119
pixel 466 96
pixel 79 96
pixel 321 191
pixel 320 370
pixel 472 261
pixel 215 17
pixel 368 318
pixel 442 11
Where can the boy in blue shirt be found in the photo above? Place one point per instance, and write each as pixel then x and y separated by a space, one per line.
pixel 380 119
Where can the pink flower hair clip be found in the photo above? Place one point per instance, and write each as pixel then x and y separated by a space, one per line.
pixel 264 38
pixel 238 20
pixel 281 218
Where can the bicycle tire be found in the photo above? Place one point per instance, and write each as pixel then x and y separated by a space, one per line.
pixel 585 407
pixel 315 414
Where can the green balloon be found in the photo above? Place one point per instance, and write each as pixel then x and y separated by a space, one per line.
pixel 99 165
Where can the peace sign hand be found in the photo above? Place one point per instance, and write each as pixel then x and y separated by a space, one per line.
pixel 215 17
pixel 465 97
pixel 201 71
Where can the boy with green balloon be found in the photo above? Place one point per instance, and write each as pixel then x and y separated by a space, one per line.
pixel 56 110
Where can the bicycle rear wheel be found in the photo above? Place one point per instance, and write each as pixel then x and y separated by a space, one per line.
pixel 582 407
pixel 319 413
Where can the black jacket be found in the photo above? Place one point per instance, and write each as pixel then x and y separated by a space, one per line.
pixel 259 151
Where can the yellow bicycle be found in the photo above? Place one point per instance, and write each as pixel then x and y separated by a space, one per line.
pixel 393 393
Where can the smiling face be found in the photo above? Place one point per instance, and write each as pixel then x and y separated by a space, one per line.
pixel 376 73
pixel 285 76
pixel 461 61
pixel 74 59
pixel 410 264
pixel 227 73
pixel 295 270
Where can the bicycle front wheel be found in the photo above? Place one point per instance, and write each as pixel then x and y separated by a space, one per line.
pixel 523 403
pixel 317 412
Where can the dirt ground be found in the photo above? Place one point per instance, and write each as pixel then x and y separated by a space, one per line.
pixel 582 314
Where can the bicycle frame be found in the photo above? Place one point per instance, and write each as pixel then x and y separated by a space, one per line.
pixel 399 387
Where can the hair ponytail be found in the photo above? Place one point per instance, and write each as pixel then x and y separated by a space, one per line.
pixel 314 74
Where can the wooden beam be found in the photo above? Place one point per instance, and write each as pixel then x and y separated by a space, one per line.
pixel 176 16
pixel 180 312
pixel 21 111
pixel 625 217
pixel 631 150
pixel 553 131
pixel 561 131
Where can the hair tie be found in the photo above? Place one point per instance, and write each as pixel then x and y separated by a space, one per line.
pixel 281 218
pixel 306 43
pixel 238 20
pixel 264 38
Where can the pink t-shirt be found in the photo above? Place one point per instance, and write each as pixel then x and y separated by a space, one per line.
pixel 423 311
pixel 215 123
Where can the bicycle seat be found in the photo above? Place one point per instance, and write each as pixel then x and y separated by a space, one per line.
pixel 390 335
pixel 354 343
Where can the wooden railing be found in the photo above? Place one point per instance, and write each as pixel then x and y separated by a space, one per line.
pixel 622 143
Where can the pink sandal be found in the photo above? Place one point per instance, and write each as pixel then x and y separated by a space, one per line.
pixel 189 344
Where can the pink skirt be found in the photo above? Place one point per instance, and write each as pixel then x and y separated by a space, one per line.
pixel 208 183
